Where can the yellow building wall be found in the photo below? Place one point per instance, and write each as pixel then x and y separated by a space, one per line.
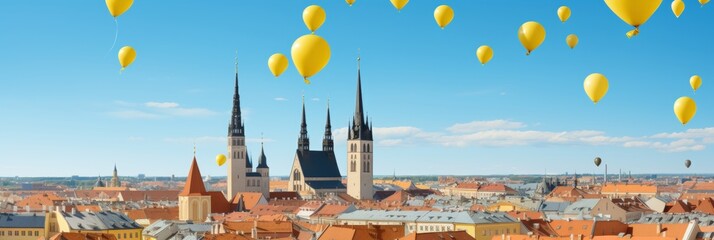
pixel 487 231
pixel 22 233
pixel 119 233
pixel 469 228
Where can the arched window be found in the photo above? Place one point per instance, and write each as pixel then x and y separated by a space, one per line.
pixel 364 147
pixel 296 175
pixel 369 165
pixel 368 150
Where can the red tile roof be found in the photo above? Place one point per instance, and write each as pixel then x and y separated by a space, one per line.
pixel 194 182
pixel 83 236
pixel 250 199
pixel 227 236
pixel 154 214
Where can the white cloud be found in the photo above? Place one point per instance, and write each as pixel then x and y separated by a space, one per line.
pixel 161 104
pixel 154 110
pixel 280 99
pixel 476 126
pixel 503 133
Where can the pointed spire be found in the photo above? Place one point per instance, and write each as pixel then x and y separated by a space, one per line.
pixel 327 141
pixel 248 162
pixel 236 128
pixel 360 128
pixel 240 206
pixel 194 182
pixel 304 140
pixel 262 161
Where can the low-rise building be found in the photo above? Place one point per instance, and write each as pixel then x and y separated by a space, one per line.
pixel 22 226
pixel 109 222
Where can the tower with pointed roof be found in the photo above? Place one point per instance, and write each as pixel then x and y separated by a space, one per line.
pixel 115 178
pixel 264 172
pixel 237 163
pixel 328 144
pixel 359 150
pixel 194 200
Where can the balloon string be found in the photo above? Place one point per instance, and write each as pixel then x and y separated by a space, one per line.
pixel 306 81
pixel 116 35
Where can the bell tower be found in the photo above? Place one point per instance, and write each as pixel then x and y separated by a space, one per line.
pixel 236 148
pixel 359 150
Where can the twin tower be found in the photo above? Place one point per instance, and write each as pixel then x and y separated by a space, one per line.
pixel 314 173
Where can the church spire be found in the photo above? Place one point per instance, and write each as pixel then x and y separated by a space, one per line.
pixel 327 142
pixel 360 128
pixel 262 161
pixel 304 140
pixel 236 128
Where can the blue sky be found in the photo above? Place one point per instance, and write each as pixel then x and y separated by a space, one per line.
pixel 67 111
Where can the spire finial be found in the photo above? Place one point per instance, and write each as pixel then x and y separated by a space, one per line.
pixel 194 149
pixel 358 58
pixel 261 139
pixel 235 61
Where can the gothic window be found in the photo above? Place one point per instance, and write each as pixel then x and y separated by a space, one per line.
pixel 258 184
pixel 235 155
pixel 296 175
pixel 368 167
pixel 353 165
pixel 364 147
pixel 368 148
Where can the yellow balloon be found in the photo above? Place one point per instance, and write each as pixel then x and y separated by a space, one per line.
pixel 310 54
pixel 220 159
pixel 118 7
pixel 350 2
pixel 633 12
pixel 399 4
pixel 484 54
pixel 596 86
pixel 313 16
pixel 684 109
pixel 127 55
pixel 696 82
pixel 443 15
pixel 677 7
pixel 531 35
pixel 571 40
pixel 563 13
pixel 277 64
pixel 702 2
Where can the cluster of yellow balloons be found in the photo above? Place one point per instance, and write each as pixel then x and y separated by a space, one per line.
pixel 127 54
pixel 310 52
pixel 685 107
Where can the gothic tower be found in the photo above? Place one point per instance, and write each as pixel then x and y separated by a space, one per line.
pixel 237 162
pixel 115 178
pixel 359 150
pixel 264 173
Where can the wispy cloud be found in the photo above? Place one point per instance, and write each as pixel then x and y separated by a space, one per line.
pixel 161 104
pixel 484 125
pixel 280 99
pixel 315 99
pixel 505 133
pixel 156 110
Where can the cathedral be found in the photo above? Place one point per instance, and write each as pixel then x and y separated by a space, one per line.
pixel 315 173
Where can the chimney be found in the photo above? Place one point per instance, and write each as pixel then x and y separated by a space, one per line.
pixel 604 182
pixel 27 208
pixel 74 211
pixel 14 209
pixel 572 236
pixel 503 236
pixel 659 228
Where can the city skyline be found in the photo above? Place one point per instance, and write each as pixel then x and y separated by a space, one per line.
pixel 436 110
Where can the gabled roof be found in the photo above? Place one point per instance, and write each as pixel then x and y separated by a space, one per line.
pixel 263 227
pixel 251 199
pixel 194 182
pixel 318 164
pixel 106 220
pixel 83 236
pixel 154 214
pixel 629 188
pixel 326 184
